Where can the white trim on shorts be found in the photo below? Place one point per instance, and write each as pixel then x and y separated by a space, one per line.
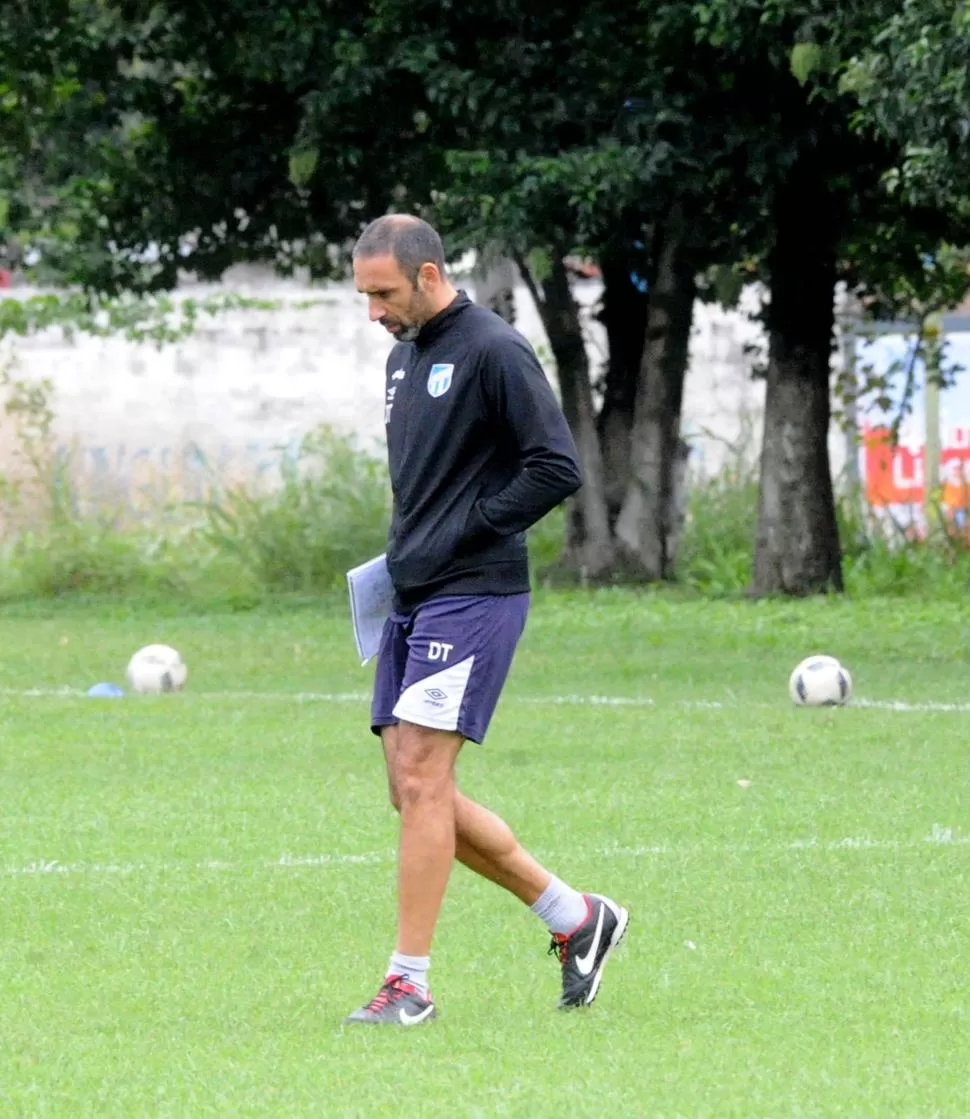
pixel 436 700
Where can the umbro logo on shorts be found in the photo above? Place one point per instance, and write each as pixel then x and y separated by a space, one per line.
pixel 435 696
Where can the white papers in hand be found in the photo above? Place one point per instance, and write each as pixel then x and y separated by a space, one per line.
pixel 371 598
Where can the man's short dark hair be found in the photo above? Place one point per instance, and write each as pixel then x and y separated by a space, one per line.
pixel 410 240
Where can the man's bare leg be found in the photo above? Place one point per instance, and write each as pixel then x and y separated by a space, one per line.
pixel 487 845
pixel 424 775
pixel 423 785
pixel 483 841
pixel 585 928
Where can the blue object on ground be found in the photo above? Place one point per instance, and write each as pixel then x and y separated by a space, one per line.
pixel 105 690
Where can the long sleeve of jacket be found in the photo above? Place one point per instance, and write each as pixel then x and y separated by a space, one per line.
pixel 527 416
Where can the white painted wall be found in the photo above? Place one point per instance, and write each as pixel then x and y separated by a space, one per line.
pixel 250 382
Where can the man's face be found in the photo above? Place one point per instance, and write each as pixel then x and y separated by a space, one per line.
pixel 398 305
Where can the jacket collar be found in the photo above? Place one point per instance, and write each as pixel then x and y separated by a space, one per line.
pixel 435 327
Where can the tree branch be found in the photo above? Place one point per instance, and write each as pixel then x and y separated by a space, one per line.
pixel 529 280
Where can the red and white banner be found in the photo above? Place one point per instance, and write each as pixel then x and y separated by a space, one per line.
pixel 895 476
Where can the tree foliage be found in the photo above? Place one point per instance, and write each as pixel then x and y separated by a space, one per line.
pixel 911 79
pixel 668 142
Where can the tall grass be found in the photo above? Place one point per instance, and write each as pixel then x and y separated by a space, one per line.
pixel 883 558
pixel 330 511
pixel 717 543
pixel 879 558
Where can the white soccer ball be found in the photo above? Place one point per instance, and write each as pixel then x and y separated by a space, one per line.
pixel 820 681
pixel 157 668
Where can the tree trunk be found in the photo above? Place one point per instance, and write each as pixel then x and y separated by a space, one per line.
pixel 494 280
pixel 589 546
pixel 648 526
pixel 797 545
pixel 624 318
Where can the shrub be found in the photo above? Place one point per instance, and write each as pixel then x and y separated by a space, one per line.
pixel 330 512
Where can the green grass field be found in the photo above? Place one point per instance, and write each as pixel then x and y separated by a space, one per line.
pixel 197 888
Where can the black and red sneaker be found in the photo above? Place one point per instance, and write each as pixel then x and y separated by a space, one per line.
pixel 583 952
pixel 397 1003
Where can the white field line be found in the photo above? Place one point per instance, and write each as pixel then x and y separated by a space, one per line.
pixel 534 700
pixel 901 705
pixel 54 867
pixel 938 837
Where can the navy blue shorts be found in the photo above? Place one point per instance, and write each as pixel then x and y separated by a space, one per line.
pixel 444 665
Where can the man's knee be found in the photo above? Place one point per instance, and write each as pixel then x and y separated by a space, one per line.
pixel 424 765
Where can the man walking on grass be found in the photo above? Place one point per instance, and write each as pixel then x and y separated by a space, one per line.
pixel 478 450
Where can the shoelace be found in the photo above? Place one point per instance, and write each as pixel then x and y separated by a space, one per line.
pixel 394 988
pixel 557 947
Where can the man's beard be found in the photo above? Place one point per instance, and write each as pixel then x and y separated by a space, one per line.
pixel 408 329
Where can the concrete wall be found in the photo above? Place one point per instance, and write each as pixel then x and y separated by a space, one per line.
pixel 142 420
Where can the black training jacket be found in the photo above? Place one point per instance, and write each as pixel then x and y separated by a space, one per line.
pixel 478 449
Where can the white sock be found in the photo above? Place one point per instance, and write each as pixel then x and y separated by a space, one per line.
pixel 561 907
pixel 412 968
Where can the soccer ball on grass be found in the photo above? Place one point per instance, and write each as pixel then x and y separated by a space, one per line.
pixel 157 668
pixel 820 681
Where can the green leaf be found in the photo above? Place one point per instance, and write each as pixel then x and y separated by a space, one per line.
pixel 303 165
pixel 805 59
